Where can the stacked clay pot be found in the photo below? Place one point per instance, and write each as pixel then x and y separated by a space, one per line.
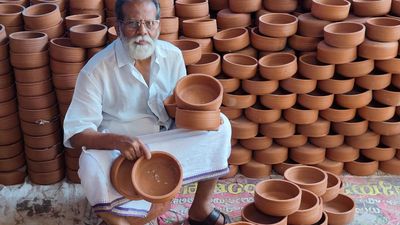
pixel 307 195
pixel 62 5
pixel 12 157
pixel 169 23
pixel 87 7
pixel 11 17
pixel 37 107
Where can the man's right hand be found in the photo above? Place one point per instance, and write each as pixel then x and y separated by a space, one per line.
pixel 131 148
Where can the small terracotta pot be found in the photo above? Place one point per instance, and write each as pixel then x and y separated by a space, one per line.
pixel 32 75
pixel 383 29
pixel 334 55
pixel 379 153
pixel 303 43
pixel 46 166
pixel 378 50
pixel 277 197
pixel 256 170
pixel 11 15
pixel 43 154
pixel 343 153
pixel 309 178
pixel 371 8
pixel 389 65
pixel 296 140
pixel 209 63
pixel 391 141
pixel 73 20
pixel 239 66
pixel 169 37
pixel 46 178
pixel 13 177
pixel 63 50
pixel 231 40
pixel 279 99
pixel 10 135
pixel 376 80
pixel 34 89
pixel 356 98
pixel 309 212
pixel 198 92
pixel 243 128
pixel 388 127
pixel 191 8
pixel 278 66
pixel 300 115
pixel 337 113
pixel 191 50
pixel 61 3
pixel 265 43
pixel 281 6
pixel 29 60
pixel 8 107
pixel 307 154
pixel 41 16
pixel 170 106
pixel 260 114
pixel 364 141
pixel 9 121
pixel 277 24
pixel 10 164
pixel 273 154
pixel 197 120
pixel 53 31
pixel 65 81
pixel 259 86
pixel 310 26
pixel 361 166
pixel 258 142
pixel 199 28
pixel 229 84
pixel 390 166
pixel 396 80
pixel 206 44
pixel 376 112
pixel 319 128
pixel 227 19
pixel 317 100
pixel 344 34
pixel 239 155
pixel 5 64
pixel 357 68
pixel 240 6
pixel 331 140
pixel 88 35
pixel 238 99
pixel 249 51
pixel 120 170
pixel 331 10
pixel 45 141
pixel 251 214
pixel 278 129
pixel 333 187
pixel 37 102
pixel 311 68
pixel 353 127
pixel 331 166
pixel 7 93
pixel 28 42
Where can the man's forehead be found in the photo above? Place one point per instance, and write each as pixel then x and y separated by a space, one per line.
pixel 139 10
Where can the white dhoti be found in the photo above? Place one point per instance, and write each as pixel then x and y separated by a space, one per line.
pixel 202 154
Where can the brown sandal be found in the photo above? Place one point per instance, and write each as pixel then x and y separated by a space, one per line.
pixel 211 219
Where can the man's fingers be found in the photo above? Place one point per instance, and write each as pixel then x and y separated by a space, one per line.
pixel 136 148
pixel 128 155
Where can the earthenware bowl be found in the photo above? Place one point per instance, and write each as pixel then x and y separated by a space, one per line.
pixel 258 142
pixel 278 129
pixel 309 178
pixel 274 154
pixel 309 212
pixel 191 50
pixel 331 166
pixel 88 35
pixel 279 99
pixel 197 120
pixel 231 40
pixel 303 43
pixel 310 26
pixel 120 173
pixel 388 127
pixel 63 50
pixel 239 155
pixel 43 154
pixel 255 170
pixel 209 63
pixel 238 99
pixel 13 177
pixel 361 166
pixel 29 60
pixel 371 8
pixel 46 178
pixel 265 43
pixel 383 29
pixel 32 75
pixel 296 140
pixel 251 214
pixel 376 112
pixel 379 153
pixel 46 166
pixel 340 210
pixel 199 28
pixel 28 42
pixel 297 114
pixel 41 16
pixel 344 34
pixel 329 141
pixel 227 19
pixel 319 128
pixel 356 98
pixel 343 153
pixel 317 99
pixel 357 68
pixel 278 66
pixel 331 10
pixel 239 66
pixel 11 15
pixel 259 86
pixel 44 141
pixel 334 55
pixel 229 84
pixel 243 128
pixel 390 166
pixel 277 24
pixel 378 50
pixel 191 8
pixel 353 127
pixel 261 114
pixel 310 67
pixel 281 6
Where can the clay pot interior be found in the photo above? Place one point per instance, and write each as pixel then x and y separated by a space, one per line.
pixel 121 170
pixel 340 210
pixel 251 214
pixel 158 179
pixel 307 177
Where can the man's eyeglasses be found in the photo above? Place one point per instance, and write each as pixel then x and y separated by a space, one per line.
pixel 135 24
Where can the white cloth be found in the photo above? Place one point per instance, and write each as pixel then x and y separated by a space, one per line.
pixel 111 93
pixel 202 154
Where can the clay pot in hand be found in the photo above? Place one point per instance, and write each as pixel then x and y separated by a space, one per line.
pixel 388 127
pixel 357 68
pixel 231 40
pixel 376 112
pixel 243 128
pixel 310 67
pixel 251 214
pixel 277 197
pixel 265 43
pixel 198 92
pixel 28 42
pixel 260 114
pixel 238 99
pixel 88 35
pixel 239 155
pixel 318 129
pixel 163 173
pixel 41 16
pixel 277 24
pixel 239 66
pixel 278 66
pixel 331 10
pixel 334 55
pixel 227 19
pixel 361 166
pixel 254 169
pixel 371 8
pixel 383 29
pixel 378 50
pixel 343 153
pixel 259 86
pixel 278 129
pixel 121 169
pixel 344 34
pixel 273 154
pixel 307 154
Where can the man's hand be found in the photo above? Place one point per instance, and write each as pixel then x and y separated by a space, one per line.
pixel 131 148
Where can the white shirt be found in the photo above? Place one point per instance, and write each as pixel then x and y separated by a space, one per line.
pixel 111 94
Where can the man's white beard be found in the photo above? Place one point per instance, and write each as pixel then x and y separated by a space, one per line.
pixel 136 51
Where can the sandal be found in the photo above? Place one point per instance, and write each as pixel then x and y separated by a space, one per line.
pixel 211 219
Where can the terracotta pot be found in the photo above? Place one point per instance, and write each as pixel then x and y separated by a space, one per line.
pixel 197 120
pixel 232 39
pixel 46 178
pixel 60 3
pixel 344 34
pixel 364 141
pixel 13 163
pixel 277 25
pixel 243 128
pixel 376 112
pixel 357 68
pixel 331 166
pixel 43 154
pixel 281 6
pixel 209 63
pixel 310 26
pixel 239 66
pixel 388 127
pixel 376 80
pixel 332 190
pixel 120 170
pixel 334 55
pixel 240 6
pixel 167 11
pixel 218 4
pixel 277 197
pixel 379 153
pixel 8 107
pixel 239 155
pixel 88 35
pixel 343 153
pixel 169 25
pixel 28 42
pixel 238 99
pixel 53 31
pixel 378 50
pixel 94 4
pixel 248 51
pixel 58 67
pixel 32 75
pixel 258 142
pixel 260 114
pixel 256 170
pixel 6 80
pixel 265 43
pixel 37 102
pixel 199 28
pixel 296 140
pixel 278 66
pixel 251 214
pixel 389 65
pixel 65 81
pixel 41 16
pixel 73 152
pixel 29 60
pixel 282 167
pixel 361 167
pixel 72 176
pixel 63 50
pixel 5 64
pixel 337 113
pixel 391 140
pixel 227 19
pixel 7 93
pixel 229 84
pixel 303 43
pixel 311 68
pixel 356 98
pixel 13 177
pixel 191 50
pixel 309 212
pixel 10 29
pixel 383 29
pixel 44 141
pixel 46 166
pixel 191 8
pixel 278 129
pixel 279 99
pixel 73 20
pixel 274 154
pixel 353 127
pixel 169 37
pixel 307 154
pixel 9 121
pixel 11 15
pixel 309 178
pixel 44 115
pixel 170 106
pixel 318 129
pixel 331 10
pixel 259 86
pixel 317 100
pixel 371 8
pixel 390 166
pixel 396 80
pixel 10 135
pixel 40 127
pixel 331 140
pixel 233 170
pixel 300 115
pixel 34 89
pixel 206 44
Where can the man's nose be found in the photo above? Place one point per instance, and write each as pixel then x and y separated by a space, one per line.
pixel 142 29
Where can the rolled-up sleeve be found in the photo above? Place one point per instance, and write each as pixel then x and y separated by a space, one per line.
pixel 85 111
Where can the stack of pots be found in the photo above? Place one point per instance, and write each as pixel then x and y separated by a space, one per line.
pixel 12 158
pixel 66 62
pixel 168 22
pixel 87 7
pixel 91 36
pixel 307 195
pixel 44 17
pixel 11 17
pixel 37 107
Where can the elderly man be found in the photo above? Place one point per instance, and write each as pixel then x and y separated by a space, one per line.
pixel 117 108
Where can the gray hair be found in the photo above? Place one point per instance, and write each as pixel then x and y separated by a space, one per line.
pixel 120 3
